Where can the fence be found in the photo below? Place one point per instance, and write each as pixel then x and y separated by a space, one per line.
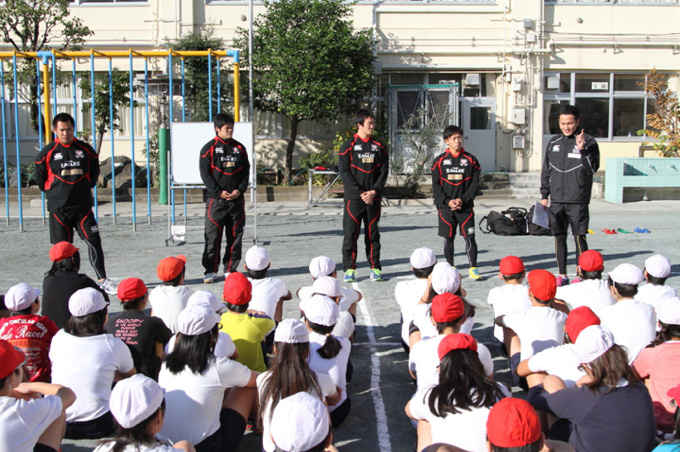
pixel 169 82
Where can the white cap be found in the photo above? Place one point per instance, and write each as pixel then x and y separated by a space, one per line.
pixel 196 319
pixel 291 331
pixel 321 310
pixel 86 301
pixel 321 266
pixel 627 274
pixel 423 257
pixel 257 258
pixel 328 286
pixel 205 298
pixel 592 343
pixel 134 399
pixel 20 296
pixel 658 266
pixel 299 422
pixel 445 278
pixel 668 311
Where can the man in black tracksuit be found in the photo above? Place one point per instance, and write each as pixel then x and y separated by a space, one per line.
pixel 455 181
pixel 364 166
pixel 225 171
pixel 569 164
pixel 66 170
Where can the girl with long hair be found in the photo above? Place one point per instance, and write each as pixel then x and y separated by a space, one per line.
pixel 455 411
pixel 209 398
pixel 290 374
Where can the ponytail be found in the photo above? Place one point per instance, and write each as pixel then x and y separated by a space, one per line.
pixel 332 346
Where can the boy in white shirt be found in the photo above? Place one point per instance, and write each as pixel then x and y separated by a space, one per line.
pixel 29 422
pixel 539 327
pixel 268 293
pixel 632 322
pixel 170 298
pixel 657 269
pixel 512 296
pixel 322 266
pixel 408 293
pixel 592 291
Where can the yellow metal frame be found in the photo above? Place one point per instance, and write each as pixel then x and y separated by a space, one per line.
pixel 92 53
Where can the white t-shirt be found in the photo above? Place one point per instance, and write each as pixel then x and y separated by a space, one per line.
pixel 158 447
pixel 653 294
pixel 167 302
pixel 224 348
pixel 23 421
pixel 266 294
pixel 538 328
pixel 593 293
pixel 408 294
pixel 424 361
pixel 560 361
pixel 505 300
pixel 349 297
pixel 88 365
pixel 194 401
pixel 345 325
pixel 466 430
pixel 326 385
pixel 335 367
pixel 632 323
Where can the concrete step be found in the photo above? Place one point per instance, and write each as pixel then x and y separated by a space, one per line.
pixel 525 184
pixel 524 176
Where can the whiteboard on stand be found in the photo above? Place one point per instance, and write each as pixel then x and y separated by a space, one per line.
pixel 186 141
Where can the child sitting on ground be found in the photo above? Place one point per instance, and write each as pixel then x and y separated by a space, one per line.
pixel 322 266
pixel 257 264
pixel 145 336
pixel 29 332
pixel 512 296
pixel 170 298
pixel 592 291
pixel 408 293
pixel 657 269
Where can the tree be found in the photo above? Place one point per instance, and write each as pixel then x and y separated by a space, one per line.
pixel 310 63
pixel 196 72
pixel 36 25
pixel 664 122
pixel 120 92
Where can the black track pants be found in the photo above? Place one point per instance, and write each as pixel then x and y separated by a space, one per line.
pixel 228 217
pixel 61 230
pixel 356 212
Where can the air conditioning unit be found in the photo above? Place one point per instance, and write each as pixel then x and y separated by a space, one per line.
pixel 472 79
pixel 552 82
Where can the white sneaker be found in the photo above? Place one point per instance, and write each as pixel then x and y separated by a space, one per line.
pixel 209 278
pixel 108 286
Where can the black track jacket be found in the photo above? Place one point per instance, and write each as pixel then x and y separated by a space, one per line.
pixel 567 174
pixel 364 166
pixel 224 165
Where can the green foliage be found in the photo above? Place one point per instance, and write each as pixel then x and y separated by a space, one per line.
pixel 33 25
pixel 310 63
pixel 196 74
pixel 664 122
pixel 120 93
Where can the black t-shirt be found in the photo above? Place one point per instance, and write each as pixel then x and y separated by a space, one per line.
pixel 58 288
pixel 141 332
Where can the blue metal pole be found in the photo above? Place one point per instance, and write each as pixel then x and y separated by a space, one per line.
pixel 184 98
pixel 148 140
pixel 40 135
pixel 94 136
pixel 132 150
pixel 218 84
pixel 210 116
pixel 54 85
pixel 16 138
pixel 113 154
pixel 4 138
pixel 172 192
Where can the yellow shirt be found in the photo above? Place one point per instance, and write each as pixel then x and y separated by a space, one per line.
pixel 248 331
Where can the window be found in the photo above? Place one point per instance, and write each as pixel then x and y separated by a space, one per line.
pixel 612 105
pixel 105 2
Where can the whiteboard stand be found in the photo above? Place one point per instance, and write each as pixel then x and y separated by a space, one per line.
pixel 186 141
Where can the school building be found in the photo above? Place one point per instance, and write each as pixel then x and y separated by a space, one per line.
pixel 511 63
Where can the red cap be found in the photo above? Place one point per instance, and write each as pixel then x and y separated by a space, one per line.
pixel 447 307
pixel 578 320
pixel 591 261
pixel 170 267
pixel 458 341
pixel 542 284
pixel 511 265
pixel 237 289
pixel 513 423
pixel 61 251
pixel 674 393
pixel 131 289
pixel 10 358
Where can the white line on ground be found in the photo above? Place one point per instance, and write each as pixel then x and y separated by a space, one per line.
pixel 381 417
